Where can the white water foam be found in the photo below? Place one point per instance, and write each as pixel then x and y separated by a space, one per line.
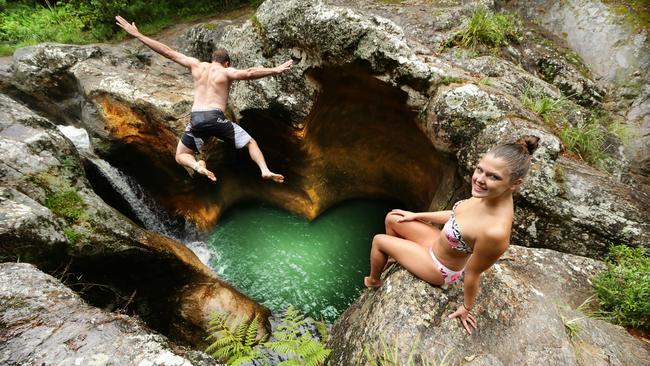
pixel 145 209
pixel 202 251
pixel 78 136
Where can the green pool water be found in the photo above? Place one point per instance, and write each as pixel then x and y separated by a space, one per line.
pixel 279 259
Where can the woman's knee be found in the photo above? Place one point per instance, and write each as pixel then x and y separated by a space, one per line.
pixel 391 219
pixel 377 240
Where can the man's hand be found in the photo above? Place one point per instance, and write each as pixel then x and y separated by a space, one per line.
pixel 284 67
pixel 130 28
pixel 466 318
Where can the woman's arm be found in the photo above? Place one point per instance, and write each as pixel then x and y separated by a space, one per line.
pixel 438 217
pixel 486 252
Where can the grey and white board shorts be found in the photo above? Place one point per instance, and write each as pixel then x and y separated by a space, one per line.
pixel 213 122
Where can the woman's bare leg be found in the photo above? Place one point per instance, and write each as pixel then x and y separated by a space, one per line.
pixel 414 258
pixel 415 231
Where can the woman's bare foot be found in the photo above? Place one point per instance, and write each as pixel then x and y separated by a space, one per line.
pixel 203 170
pixel 372 284
pixel 277 178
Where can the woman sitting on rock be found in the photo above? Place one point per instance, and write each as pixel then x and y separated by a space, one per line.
pixel 475 234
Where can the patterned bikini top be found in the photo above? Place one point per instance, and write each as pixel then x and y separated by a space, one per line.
pixel 452 232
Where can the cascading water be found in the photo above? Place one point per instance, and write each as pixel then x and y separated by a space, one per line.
pixel 141 206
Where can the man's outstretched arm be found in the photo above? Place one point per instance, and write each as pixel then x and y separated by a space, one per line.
pixel 258 72
pixel 160 48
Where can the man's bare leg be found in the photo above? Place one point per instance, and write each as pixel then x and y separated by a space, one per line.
pixel 185 157
pixel 258 158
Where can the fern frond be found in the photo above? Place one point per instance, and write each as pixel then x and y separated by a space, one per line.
pixel 289 327
pixel 318 358
pixel 251 332
pixel 308 347
pixel 217 318
pixel 323 333
pixel 240 361
pixel 240 333
pixel 285 347
pixel 220 343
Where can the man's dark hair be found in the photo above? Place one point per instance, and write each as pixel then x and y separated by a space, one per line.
pixel 220 55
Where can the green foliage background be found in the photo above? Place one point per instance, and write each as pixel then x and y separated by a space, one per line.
pixel 27 22
pixel 623 290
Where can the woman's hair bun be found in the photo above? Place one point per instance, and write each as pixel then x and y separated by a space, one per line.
pixel 529 142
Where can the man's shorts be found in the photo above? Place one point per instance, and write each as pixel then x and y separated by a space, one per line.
pixel 206 123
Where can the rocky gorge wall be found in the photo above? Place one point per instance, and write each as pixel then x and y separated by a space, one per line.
pixel 368 110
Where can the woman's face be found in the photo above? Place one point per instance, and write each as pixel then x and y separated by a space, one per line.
pixel 491 178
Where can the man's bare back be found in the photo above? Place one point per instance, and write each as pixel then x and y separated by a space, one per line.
pixel 211 87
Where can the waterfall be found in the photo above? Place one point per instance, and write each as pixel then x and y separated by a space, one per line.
pixel 78 136
pixel 143 207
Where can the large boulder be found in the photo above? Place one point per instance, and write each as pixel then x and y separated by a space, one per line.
pixel 529 312
pixel 359 93
pixel 564 205
pixel 51 217
pixel 613 41
pixel 44 322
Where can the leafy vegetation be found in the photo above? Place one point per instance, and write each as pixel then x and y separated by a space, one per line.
pixel 236 342
pixel 26 22
pixel 67 204
pixel 623 290
pixel 547 108
pixel 587 141
pixel 487 28
pixel 21 25
pixel 73 235
pixel 300 347
pixel 446 80
pixel 636 12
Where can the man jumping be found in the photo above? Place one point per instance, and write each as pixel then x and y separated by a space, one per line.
pixel 211 86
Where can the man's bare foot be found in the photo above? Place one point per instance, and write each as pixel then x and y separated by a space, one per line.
pixel 203 170
pixel 277 178
pixel 371 283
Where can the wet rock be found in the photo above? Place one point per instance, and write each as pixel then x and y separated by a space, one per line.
pixel 344 56
pixel 527 301
pixel 44 322
pixel 51 217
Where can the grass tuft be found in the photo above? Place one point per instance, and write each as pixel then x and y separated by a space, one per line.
pixel 623 290
pixel 587 141
pixel 487 28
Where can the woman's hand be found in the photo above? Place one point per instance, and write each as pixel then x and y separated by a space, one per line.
pixel 406 215
pixel 466 318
